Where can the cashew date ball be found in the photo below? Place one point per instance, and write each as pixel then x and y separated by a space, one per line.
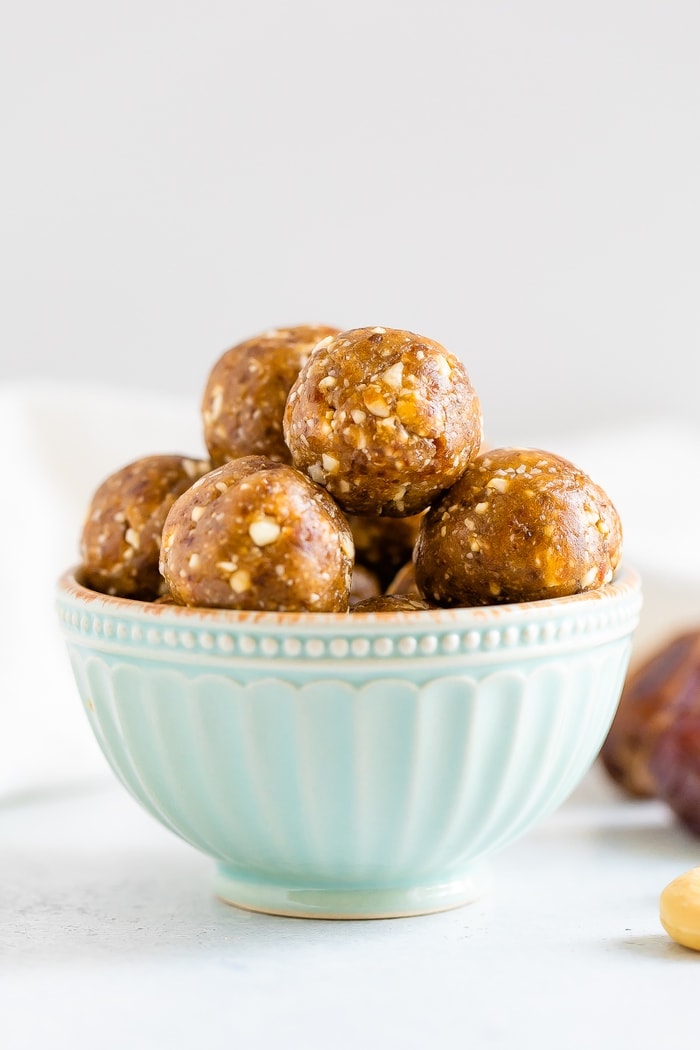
pixel 392 603
pixel 519 525
pixel 256 534
pixel 404 582
pixel 121 536
pixel 365 584
pixel 384 419
pixel 246 391
pixel 384 544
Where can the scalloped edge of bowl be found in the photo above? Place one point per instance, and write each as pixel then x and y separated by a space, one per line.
pixel 176 633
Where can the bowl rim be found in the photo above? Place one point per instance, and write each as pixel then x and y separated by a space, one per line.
pixel 626 583
pixel 457 637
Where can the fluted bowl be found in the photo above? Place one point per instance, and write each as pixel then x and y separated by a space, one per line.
pixel 350 765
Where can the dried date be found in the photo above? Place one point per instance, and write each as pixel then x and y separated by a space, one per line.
pixel 655 694
pixel 674 764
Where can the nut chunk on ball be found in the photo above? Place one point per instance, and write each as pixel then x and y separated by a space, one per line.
pixel 120 541
pixel 256 534
pixel 520 525
pixel 383 419
pixel 246 391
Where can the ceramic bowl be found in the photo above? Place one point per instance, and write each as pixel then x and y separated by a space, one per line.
pixel 350 765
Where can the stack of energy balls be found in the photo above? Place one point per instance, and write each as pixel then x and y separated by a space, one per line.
pixel 346 472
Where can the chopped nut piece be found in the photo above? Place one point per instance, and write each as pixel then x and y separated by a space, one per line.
pixel 132 537
pixel 240 581
pixel 330 463
pixel 264 531
pixel 679 909
pixel 393 376
pixel 375 403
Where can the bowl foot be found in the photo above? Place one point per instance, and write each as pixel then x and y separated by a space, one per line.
pixel 321 902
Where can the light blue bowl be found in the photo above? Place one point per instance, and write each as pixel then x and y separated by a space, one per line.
pixel 348 766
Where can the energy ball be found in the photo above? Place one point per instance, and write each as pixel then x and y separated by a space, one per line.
pixel 246 391
pixel 392 603
pixel 121 536
pixel 384 419
pixel 404 582
pixel 384 544
pixel 365 584
pixel 519 525
pixel 257 534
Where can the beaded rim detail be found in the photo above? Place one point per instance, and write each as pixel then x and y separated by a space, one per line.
pixel 507 632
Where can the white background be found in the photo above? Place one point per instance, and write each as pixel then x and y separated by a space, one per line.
pixel 518 180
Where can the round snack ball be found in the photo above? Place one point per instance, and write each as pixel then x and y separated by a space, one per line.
pixel 165 599
pixel 120 540
pixel 365 584
pixel 383 419
pixel 404 582
pixel 257 534
pixel 392 603
pixel 520 525
pixel 384 544
pixel 246 391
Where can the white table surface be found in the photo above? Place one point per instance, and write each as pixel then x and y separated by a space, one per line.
pixel 110 937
